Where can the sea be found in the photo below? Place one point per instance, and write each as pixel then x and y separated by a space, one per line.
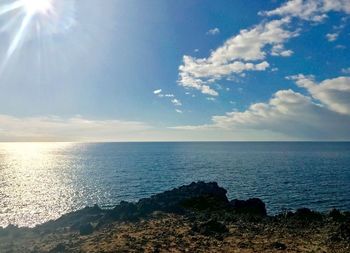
pixel 42 181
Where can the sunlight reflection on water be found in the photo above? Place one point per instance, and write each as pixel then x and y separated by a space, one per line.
pixel 32 185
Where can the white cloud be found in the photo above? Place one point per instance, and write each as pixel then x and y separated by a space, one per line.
pixel 247 51
pixel 346 70
pixel 278 50
pixel 340 47
pixel 310 10
pixel 248 45
pixel 332 36
pixel 176 102
pixel 289 113
pixel 213 31
pixel 324 114
pixel 178 110
pixel 333 93
pixel 76 128
pixel 156 92
pixel 199 69
pixel 187 81
pixel 173 100
pixel 241 53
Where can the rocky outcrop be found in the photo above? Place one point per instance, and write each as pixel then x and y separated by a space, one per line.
pixel 75 220
pixel 253 206
pixel 193 197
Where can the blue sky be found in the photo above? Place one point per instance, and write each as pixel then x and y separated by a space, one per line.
pixel 174 70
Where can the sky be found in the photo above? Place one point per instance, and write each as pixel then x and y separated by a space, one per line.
pixel 162 70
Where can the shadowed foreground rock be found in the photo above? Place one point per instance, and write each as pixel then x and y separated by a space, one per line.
pixel 196 196
pixel 192 218
pixel 251 206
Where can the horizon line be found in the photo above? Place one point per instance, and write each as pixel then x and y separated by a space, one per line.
pixel 181 141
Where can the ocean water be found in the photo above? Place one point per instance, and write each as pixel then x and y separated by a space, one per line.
pixel 42 181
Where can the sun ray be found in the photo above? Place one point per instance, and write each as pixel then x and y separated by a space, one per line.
pixel 10 22
pixel 19 35
pixel 10 7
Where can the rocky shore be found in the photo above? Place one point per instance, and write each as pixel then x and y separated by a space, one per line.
pixel 192 218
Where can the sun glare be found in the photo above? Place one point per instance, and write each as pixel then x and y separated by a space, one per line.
pixel 35 19
pixel 33 7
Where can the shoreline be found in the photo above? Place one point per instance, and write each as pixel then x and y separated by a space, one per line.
pixel 193 218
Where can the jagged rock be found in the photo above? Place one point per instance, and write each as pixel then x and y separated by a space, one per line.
pixel 9 229
pixel 75 219
pixel 124 211
pixel 344 231
pixel 204 203
pixel 162 230
pixel 278 246
pixel 336 215
pixel 252 206
pixel 86 229
pixel 305 214
pixel 210 228
pixel 195 196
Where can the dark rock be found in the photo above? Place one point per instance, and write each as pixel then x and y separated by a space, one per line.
pixel 278 246
pixel 344 231
pixel 204 203
pixel 336 215
pixel 210 228
pixel 3 232
pixel 194 196
pixel 86 229
pixel 252 206
pixel 74 219
pixel 59 248
pixel 124 211
pixel 10 229
pixel 305 214
pixel 347 215
pixel 13 230
pixel 146 206
pixel 156 250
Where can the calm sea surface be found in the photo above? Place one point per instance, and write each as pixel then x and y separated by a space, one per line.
pixel 41 181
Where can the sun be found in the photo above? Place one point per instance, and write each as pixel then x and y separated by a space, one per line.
pixel 36 20
pixel 33 7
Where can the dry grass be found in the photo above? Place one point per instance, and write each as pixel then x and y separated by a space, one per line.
pixel 173 233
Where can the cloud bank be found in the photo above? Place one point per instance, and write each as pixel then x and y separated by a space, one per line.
pixel 68 129
pixel 323 114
